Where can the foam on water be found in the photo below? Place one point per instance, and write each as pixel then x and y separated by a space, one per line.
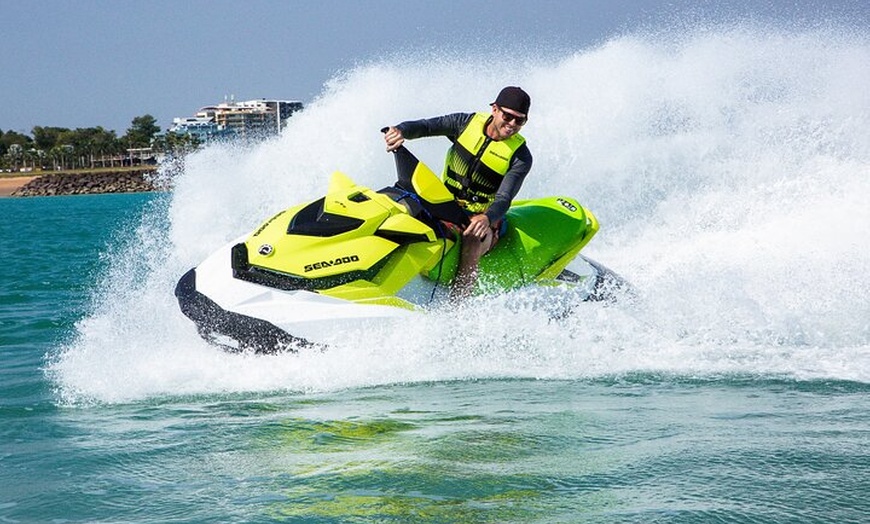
pixel 729 167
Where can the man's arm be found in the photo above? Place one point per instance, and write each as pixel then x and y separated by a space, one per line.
pixel 447 125
pixel 510 184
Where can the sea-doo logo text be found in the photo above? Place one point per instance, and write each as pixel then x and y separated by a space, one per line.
pixel 266 223
pixel 567 205
pixel 329 263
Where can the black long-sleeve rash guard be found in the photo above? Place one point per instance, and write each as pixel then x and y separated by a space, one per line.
pixel 452 126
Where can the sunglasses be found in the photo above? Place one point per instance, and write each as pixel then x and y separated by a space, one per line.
pixel 510 117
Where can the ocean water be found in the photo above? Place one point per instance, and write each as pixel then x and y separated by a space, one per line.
pixel 730 170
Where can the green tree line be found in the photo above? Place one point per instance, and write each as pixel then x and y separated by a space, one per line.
pixel 60 148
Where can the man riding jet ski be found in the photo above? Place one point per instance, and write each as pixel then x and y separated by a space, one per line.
pixel 357 256
pixel 484 169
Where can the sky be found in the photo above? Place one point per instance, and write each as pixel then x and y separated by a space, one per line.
pixel 88 63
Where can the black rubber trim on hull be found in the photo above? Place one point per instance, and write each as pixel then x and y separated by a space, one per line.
pixel 212 322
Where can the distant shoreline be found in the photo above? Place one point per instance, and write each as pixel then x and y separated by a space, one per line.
pixel 56 183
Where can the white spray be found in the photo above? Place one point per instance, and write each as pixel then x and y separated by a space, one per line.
pixel 730 169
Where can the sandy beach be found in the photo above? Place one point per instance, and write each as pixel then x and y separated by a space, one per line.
pixel 10 184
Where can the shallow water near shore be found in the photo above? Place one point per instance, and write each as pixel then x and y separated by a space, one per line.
pixel 735 389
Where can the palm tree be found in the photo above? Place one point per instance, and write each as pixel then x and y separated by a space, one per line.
pixel 14 153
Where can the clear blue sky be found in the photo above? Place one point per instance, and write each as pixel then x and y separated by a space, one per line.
pixel 83 63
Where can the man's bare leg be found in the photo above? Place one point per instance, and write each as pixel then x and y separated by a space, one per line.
pixel 467 272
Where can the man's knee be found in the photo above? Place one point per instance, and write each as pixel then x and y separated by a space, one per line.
pixel 489 241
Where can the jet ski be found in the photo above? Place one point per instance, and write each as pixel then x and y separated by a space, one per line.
pixel 358 256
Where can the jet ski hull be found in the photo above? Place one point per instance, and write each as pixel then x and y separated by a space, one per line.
pixel 242 316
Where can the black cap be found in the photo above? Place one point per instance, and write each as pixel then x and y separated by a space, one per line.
pixel 514 98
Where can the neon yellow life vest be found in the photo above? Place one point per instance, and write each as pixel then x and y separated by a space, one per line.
pixel 476 164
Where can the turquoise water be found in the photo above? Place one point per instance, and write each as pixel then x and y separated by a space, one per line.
pixel 634 447
pixel 729 169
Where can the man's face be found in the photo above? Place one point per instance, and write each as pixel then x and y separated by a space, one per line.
pixel 505 122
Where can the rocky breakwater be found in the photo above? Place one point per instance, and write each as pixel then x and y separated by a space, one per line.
pixel 128 181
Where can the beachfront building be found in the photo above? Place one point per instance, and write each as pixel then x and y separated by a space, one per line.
pixel 201 128
pixel 249 119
